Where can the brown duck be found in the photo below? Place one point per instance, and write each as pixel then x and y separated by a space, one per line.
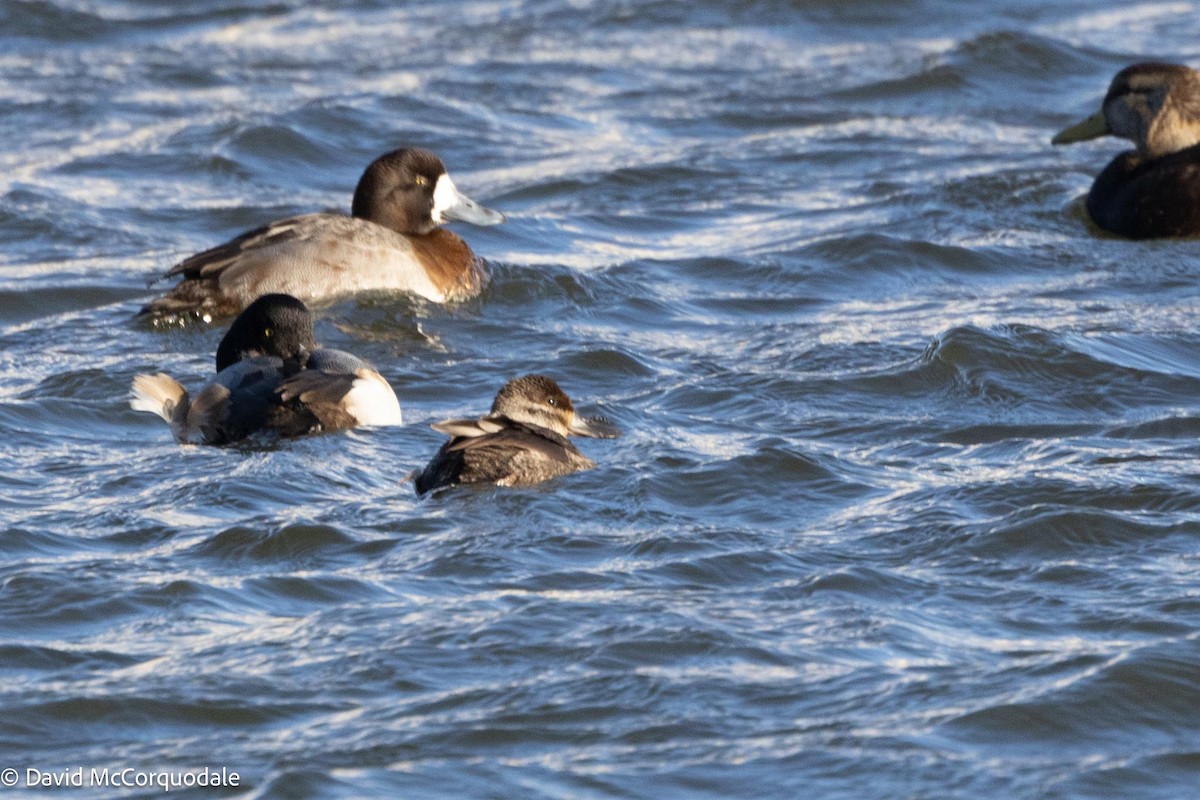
pixel 1154 190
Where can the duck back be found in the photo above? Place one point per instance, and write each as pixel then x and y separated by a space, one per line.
pixel 515 455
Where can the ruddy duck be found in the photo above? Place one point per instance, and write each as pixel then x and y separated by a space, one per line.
pixel 522 441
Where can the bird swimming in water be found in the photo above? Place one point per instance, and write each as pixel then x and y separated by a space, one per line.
pixel 522 441
pixel 271 376
pixel 390 241
pixel 1154 190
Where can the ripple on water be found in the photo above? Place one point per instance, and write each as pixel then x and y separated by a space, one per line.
pixel 150 716
pixel 82 601
pixel 1056 531
pixel 1029 366
pixel 287 596
pixel 42 658
pixel 1140 778
pixel 299 545
pixel 1151 691
pixel 781 484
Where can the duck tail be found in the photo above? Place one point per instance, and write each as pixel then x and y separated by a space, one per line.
pixel 162 395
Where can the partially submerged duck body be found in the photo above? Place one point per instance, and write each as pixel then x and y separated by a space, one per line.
pixel 271 376
pixel 1148 199
pixel 390 241
pixel 1154 190
pixel 522 441
pixel 320 256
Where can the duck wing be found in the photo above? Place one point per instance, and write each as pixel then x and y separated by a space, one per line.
pixel 217 259
pixel 311 257
pixel 236 403
pixel 515 454
pixel 340 390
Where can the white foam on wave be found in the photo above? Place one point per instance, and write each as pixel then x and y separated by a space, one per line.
pixel 1127 28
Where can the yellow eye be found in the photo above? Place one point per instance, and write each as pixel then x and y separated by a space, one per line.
pixel 269 332
pixel 421 180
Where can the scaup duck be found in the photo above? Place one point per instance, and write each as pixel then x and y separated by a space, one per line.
pixel 390 241
pixel 522 441
pixel 271 376
pixel 1154 190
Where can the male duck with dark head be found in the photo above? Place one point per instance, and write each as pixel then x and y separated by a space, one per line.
pixel 1154 190
pixel 390 241
pixel 522 441
pixel 271 376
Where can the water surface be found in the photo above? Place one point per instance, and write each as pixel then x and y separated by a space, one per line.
pixel 906 505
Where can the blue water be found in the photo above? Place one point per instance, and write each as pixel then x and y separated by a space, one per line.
pixel 907 504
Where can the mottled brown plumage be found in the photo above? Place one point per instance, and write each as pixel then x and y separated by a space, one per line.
pixel 521 441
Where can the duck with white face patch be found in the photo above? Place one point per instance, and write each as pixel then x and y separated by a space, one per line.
pixel 1154 190
pixel 391 241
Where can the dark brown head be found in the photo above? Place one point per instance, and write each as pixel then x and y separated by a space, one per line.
pixel 537 400
pixel 1156 106
pixel 409 191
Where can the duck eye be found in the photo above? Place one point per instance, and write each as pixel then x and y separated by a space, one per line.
pixel 421 180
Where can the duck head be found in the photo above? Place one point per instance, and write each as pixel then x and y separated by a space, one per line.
pixel 273 325
pixel 538 400
pixel 1156 106
pixel 409 191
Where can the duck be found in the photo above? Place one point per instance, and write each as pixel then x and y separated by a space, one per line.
pixel 391 240
pixel 1152 191
pixel 521 442
pixel 271 376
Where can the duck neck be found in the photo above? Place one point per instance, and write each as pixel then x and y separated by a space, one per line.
pixel 1171 131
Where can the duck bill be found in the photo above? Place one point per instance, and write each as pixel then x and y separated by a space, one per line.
pixel 450 205
pixel 1093 127
pixel 596 427
pixel 296 361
